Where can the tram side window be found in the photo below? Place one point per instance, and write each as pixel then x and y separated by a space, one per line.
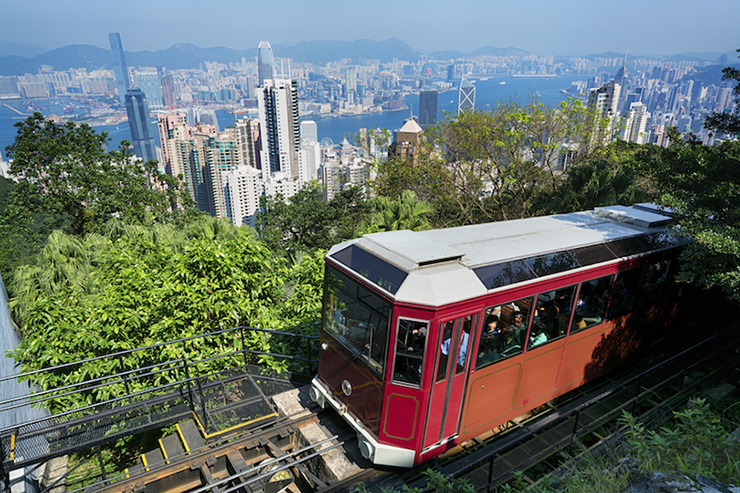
pixel 593 299
pixel 411 340
pixel 551 316
pixel 447 331
pixel 504 331
pixel 624 294
pixel 357 317
pixel 653 281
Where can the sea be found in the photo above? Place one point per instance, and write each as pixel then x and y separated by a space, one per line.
pixel 489 92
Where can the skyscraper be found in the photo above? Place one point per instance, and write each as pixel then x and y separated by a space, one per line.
pixel 427 107
pixel 137 110
pixel 119 66
pixel 149 82
pixel 265 62
pixel 281 136
pixel 466 100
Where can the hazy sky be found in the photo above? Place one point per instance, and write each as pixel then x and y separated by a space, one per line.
pixel 539 26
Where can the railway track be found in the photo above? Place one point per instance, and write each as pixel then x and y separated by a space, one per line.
pixel 294 452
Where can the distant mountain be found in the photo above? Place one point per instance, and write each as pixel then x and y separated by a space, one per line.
pixel 327 51
pixel 446 55
pixel 494 51
pixel 26 50
pixel 185 55
pixel 606 54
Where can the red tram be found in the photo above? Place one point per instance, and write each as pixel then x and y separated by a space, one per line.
pixel 432 338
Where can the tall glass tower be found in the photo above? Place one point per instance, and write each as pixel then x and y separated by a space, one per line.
pixel 142 137
pixel 466 100
pixel 265 62
pixel 427 107
pixel 119 66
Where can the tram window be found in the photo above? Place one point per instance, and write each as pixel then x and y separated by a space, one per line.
pixel 504 330
pixel 653 281
pixel 447 331
pixel 467 331
pixel 411 340
pixel 551 316
pixel 357 317
pixel 624 295
pixel 593 299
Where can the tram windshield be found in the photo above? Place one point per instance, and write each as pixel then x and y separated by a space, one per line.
pixel 357 318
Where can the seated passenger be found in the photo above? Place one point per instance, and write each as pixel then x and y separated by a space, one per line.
pixel 518 326
pixel 551 322
pixel 538 335
pixel 490 341
pixel 511 344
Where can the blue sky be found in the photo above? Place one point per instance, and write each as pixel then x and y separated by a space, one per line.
pixel 540 26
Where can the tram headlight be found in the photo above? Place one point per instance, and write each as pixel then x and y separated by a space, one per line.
pixel 317 397
pixel 366 448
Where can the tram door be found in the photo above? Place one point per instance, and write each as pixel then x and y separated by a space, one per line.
pixel 448 387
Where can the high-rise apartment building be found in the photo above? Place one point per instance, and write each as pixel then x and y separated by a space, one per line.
pixel 427 107
pixel 119 66
pixel 277 100
pixel 636 123
pixel 265 62
pixel 408 142
pixel 309 132
pixel 248 142
pixel 243 189
pixel 466 99
pixel 605 100
pixel 139 123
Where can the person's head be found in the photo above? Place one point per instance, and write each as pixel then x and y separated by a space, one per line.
pixel 518 318
pixel 491 323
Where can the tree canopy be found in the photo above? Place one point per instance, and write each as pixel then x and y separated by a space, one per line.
pixel 66 170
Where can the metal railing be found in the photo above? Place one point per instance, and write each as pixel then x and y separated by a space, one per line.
pixel 146 388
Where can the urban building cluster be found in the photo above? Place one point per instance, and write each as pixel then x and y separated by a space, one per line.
pixel 642 106
pixel 270 152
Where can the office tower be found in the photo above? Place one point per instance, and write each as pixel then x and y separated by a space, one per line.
pixel 168 89
pixel 466 99
pixel 148 81
pixel 280 132
pixel 119 66
pixel 351 74
pixel 243 189
pixel 265 62
pixel 427 107
pixel 450 73
pixel 309 132
pixel 142 139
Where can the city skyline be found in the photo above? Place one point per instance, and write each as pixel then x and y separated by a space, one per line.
pixel 578 27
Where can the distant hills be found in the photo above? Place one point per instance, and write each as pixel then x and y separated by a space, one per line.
pixel 22 58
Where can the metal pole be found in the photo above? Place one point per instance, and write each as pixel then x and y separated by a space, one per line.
pixel 103 475
pixel 575 430
pixel 244 352
pixel 125 378
pixel 187 378
pixel 490 474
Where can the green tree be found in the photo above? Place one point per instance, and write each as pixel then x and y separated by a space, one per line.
pixel 606 180
pixel 65 170
pixel 489 165
pixel 407 212
pixel 306 222
pixel 138 285
pixel 702 185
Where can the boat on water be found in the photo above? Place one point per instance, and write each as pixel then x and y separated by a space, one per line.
pixel 502 83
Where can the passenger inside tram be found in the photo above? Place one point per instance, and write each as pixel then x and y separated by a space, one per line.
pixel 490 342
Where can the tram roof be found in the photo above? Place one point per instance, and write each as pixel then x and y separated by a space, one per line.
pixel 441 266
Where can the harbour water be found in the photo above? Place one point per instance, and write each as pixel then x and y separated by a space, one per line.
pixel 489 92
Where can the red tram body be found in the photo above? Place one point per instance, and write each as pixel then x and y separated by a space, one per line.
pixel 432 338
